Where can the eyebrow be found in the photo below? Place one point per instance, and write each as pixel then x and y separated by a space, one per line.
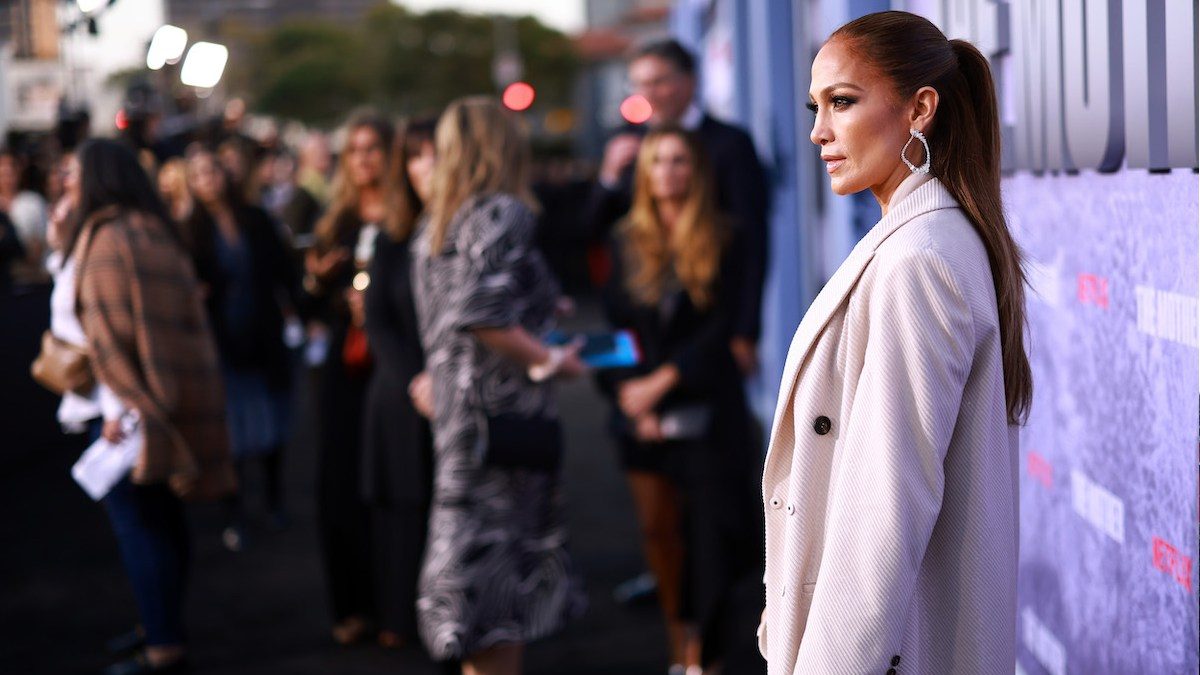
pixel 838 85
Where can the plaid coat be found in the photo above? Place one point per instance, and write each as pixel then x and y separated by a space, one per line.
pixel 150 342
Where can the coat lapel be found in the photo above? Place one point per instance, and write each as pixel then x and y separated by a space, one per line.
pixel 930 196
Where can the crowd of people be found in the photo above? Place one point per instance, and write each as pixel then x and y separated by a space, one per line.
pixel 407 281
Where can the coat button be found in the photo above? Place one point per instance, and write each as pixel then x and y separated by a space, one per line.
pixel 776 502
pixel 891 671
pixel 895 660
pixel 822 425
pixel 791 509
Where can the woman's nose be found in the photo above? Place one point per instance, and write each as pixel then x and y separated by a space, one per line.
pixel 820 132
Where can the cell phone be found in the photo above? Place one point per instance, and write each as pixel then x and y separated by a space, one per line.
pixel 617 349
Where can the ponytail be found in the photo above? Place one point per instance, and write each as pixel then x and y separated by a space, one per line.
pixel 971 172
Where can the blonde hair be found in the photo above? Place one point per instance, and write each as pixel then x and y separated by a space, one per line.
pixel 176 194
pixel 692 248
pixel 343 206
pixel 480 149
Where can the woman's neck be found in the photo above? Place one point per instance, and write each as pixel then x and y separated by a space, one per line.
pixel 669 211
pixel 370 203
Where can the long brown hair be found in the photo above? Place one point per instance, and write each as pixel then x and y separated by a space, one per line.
pixel 343 207
pixel 480 149
pixel 965 143
pixel 412 137
pixel 692 248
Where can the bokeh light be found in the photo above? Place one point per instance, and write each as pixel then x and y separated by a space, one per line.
pixel 519 96
pixel 636 109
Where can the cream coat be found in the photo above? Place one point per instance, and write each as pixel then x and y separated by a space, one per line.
pixel 892 536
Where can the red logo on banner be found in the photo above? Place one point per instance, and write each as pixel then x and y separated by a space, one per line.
pixel 1092 290
pixel 1041 469
pixel 1168 559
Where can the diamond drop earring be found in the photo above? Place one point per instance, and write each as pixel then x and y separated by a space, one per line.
pixel 924 168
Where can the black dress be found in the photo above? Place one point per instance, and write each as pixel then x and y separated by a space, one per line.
pixel 340 390
pixel 397 465
pixel 717 470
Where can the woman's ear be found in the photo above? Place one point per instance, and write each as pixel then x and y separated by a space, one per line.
pixel 924 106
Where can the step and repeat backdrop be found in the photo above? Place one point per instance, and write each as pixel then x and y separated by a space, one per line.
pixel 1099 103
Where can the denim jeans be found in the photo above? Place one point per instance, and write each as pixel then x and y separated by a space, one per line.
pixel 153 538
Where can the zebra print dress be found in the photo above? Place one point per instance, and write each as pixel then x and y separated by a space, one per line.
pixel 496 568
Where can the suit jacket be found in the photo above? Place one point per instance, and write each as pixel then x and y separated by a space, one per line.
pixel 890 486
pixel 742 194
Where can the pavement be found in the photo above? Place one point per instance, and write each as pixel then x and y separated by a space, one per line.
pixel 263 610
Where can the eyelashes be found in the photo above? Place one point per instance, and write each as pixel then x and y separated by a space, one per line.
pixel 839 103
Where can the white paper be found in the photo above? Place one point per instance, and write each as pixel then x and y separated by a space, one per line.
pixel 104 464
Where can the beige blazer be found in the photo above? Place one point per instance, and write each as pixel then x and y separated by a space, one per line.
pixel 890 485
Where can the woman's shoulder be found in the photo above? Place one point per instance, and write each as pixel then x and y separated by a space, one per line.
pixel 492 216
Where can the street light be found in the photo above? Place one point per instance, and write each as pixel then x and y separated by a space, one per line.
pixel 204 65
pixel 166 46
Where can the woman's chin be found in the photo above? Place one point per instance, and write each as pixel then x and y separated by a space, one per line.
pixel 841 187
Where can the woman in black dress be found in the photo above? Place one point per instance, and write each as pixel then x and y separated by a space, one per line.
pixel 685 425
pixel 397 444
pixel 249 284
pixel 364 202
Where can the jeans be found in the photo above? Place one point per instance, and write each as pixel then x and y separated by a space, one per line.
pixel 153 538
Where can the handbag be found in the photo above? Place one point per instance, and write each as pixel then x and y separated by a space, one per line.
pixel 61 367
pixel 519 442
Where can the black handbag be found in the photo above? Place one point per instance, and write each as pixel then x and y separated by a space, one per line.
pixel 519 442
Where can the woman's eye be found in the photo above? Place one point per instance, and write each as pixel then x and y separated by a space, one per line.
pixel 841 102
pixel 811 106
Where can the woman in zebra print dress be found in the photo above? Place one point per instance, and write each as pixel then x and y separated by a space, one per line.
pixel 496 572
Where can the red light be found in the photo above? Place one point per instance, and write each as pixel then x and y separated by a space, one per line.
pixel 122 120
pixel 636 109
pixel 518 96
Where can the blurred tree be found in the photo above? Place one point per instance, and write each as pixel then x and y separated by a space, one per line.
pixel 306 71
pixel 398 60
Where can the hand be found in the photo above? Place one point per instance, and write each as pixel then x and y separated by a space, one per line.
pixel 745 354
pixel 323 266
pixel 638 396
pixel 56 226
pixel 358 306
pixel 620 152
pixel 112 431
pixel 420 390
pixel 572 366
pixel 647 429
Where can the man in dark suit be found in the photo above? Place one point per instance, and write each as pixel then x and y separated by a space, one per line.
pixel 665 74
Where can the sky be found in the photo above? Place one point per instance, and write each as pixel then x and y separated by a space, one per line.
pixel 565 15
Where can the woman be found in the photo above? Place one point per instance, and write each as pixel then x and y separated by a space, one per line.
pixel 173 188
pixel 150 344
pixel 685 427
pixel 890 487
pixel 364 202
pixel 26 209
pixel 496 573
pixel 397 444
pixel 249 285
